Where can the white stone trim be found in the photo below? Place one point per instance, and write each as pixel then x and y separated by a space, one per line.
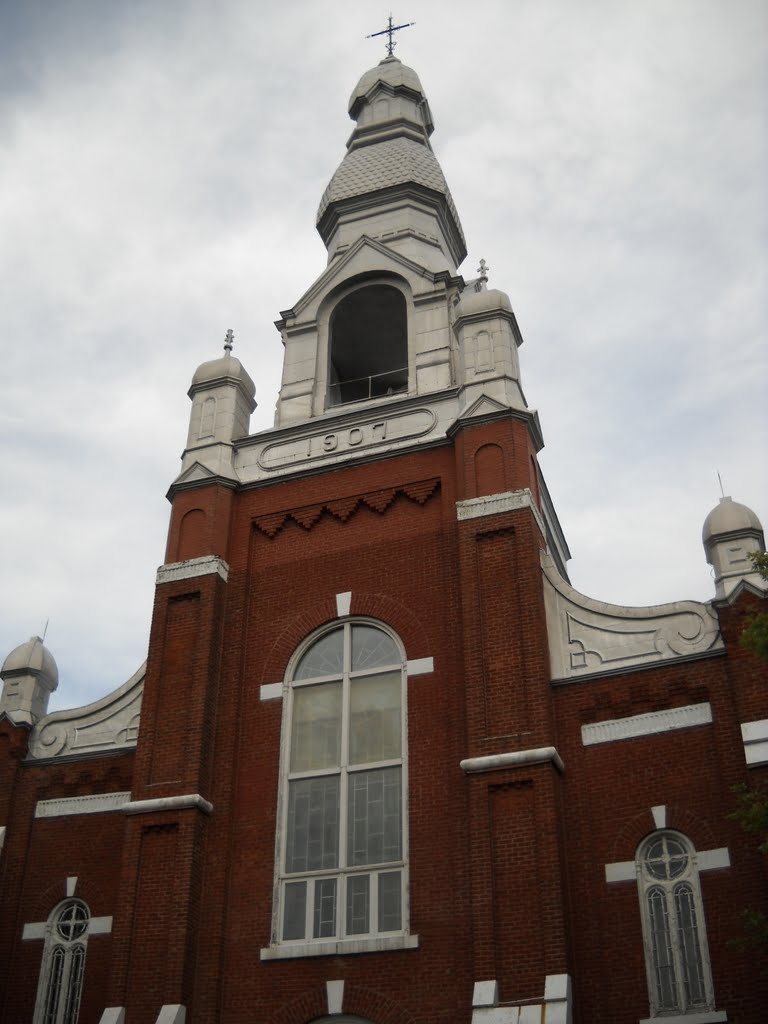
pixel 208 565
pixel 343 603
pixel 35 930
pixel 71 885
pixel 514 759
pixel 100 926
pixel 621 871
pixel 710 860
pixel 485 993
pixel 98 803
pixel 755 738
pixel 706 860
pixel 168 803
pixel 339 947
pixel 271 691
pixel 647 724
pixel 419 667
pixel 492 504
pixel 334 992
pixel 708 1017
pixel 172 1013
pixel 113 1015
pixel 659 813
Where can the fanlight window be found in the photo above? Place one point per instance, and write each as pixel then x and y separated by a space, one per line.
pixel 343 870
pixel 368 345
pixel 677 959
pixel 61 977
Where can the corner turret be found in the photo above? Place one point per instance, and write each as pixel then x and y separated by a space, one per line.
pixel 30 676
pixel 731 533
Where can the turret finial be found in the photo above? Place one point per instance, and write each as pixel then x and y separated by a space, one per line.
pixel 390 31
pixel 229 341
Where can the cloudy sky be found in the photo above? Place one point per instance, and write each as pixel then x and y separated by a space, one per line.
pixel 161 162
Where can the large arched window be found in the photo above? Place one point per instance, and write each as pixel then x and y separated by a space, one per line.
pixel 61 976
pixel 368 345
pixel 677 959
pixel 342 860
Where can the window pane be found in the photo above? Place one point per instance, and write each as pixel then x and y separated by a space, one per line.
pixel 666 858
pixel 690 950
pixel 295 912
pixel 316 729
pixel 358 888
pixel 313 824
pixel 72 1008
pixel 372 648
pixel 374 824
pixel 374 718
pixel 663 965
pixel 54 985
pixel 324 658
pixel 390 914
pixel 325 908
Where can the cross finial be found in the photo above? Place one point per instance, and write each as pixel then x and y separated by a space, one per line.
pixel 483 270
pixel 229 341
pixel 390 31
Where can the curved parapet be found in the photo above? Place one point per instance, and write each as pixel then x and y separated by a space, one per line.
pixel 589 637
pixel 107 725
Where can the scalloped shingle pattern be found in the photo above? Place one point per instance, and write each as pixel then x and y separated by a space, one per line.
pixel 382 165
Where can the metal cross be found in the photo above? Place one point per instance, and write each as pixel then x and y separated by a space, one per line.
pixel 229 341
pixel 389 31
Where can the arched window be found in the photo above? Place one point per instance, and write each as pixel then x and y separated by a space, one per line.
pixel 343 859
pixel 368 345
pixel 61 976
pixel 677 959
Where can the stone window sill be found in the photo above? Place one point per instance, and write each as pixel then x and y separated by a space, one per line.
pixel 343 947
pixel 705 1017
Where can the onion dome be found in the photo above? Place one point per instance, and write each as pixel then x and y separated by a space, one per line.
pixel 474 303
pixel 729 517
pixel 32 658
pixel 389 153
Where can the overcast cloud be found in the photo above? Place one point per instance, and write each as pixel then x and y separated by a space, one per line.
pixel 160 169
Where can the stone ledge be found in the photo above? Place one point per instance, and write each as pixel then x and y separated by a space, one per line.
pixel 339 947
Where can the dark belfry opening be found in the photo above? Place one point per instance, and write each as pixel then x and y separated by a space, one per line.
pixel 368 345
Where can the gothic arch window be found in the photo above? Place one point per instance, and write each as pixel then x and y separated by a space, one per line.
pixel 676 954
pixel 368 345
pixel 61 975
pixel 342 858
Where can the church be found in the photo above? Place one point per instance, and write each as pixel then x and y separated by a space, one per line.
pixel 383 764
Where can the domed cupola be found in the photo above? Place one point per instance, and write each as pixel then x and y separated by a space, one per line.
pixel 222 394
pixel 390 185
pixel 730 534
pixel 30 676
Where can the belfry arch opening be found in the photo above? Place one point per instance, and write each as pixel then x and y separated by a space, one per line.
pixel 368 347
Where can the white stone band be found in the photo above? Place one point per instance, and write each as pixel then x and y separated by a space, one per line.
pixel 647 724
pixel 514 759
pixel 96 804
pixel 206 566
pixel 491 504
pixel 168 803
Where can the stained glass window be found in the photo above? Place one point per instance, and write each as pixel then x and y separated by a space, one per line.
pixel 61 976
pixel 343 796
pixel 673 926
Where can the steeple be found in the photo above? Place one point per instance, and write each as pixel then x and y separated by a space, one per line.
pixel 390 185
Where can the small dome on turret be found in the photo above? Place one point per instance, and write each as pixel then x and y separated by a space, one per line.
pixel 392 72
pixel 483 301
pixel 32 658
pixel 729 517
pixel 225 366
